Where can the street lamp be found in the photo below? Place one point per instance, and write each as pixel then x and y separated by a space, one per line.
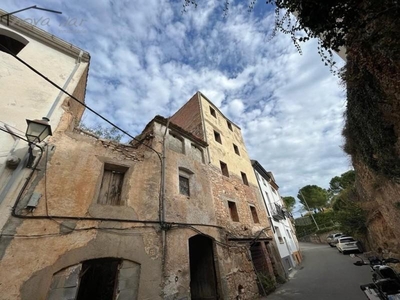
pixel 36 132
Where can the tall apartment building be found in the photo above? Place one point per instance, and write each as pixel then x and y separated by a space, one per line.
pixel 283 230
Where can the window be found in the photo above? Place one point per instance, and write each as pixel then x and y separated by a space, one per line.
pixel 212 111
pixel 288 233
pixel 12 41
pixel 233 211
pixel 273 190
pixel 229 125
pixel 278 233
pixel 254 214
pixel 184 181
pixel 224 169
pixel 217 137
pixel 263 180
pixel 244 178
pixel 176 143
pixel 111 185
pixel 184 188
pixel 236 149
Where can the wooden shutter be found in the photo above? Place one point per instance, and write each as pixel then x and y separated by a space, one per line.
pixel 128 281
pixel 65 283
pixel 111 187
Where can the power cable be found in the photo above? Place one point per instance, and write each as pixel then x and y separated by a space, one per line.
pixel 77 100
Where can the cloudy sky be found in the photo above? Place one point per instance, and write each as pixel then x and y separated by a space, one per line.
pixel 148 58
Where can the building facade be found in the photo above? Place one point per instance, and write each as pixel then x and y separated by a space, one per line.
pixel 174 214
pixel 283 229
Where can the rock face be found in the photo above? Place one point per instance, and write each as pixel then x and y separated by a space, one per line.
pixel 381 199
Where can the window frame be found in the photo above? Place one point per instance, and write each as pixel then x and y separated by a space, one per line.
pixel 233 212
pixel 113 168
pixel 224 168
pixel 213 112
pixel 217 137
pixel 244 178
pixel 236 149
pixel 254 214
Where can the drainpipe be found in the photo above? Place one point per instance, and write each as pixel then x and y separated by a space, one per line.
pixel 162 206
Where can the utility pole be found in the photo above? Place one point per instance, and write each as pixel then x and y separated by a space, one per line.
pixel 315 222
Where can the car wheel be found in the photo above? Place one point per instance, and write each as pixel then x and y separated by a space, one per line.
pixel 343 252
pixel 331 245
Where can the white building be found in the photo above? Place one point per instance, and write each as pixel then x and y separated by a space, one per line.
pixel 25 95
pixel 282 226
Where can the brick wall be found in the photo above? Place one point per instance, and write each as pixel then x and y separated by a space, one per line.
pixel 189 117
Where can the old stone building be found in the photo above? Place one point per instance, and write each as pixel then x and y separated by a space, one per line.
pixel 174 214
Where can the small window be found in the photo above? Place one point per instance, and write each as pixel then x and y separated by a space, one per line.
pixel 229 125
pixel 217 137
pixel 254 214
pixel 224 169
pixel 273 190
pixel 244 178
pixel 233 211
pixel 236 149
pixel 111 185
pixel 184 188
pixel 278 233
pixel 212 111
pixel 265 183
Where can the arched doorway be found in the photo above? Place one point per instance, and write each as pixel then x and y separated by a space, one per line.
pixel 203 283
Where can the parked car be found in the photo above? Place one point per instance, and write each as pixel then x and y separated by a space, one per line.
pixel 332 239
pixel 346 244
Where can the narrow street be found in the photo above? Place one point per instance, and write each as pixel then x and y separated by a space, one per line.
pixel 324 274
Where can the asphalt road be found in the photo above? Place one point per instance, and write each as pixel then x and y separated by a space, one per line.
pixel 325 274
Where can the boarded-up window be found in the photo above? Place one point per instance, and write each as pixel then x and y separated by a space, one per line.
pixel 176 143
pixel 184 181
pixel 111 185
pixel 233 211
pixel 197 153
pixel 184 188
pixel 244 178
pixel 224 169
pixel 254 214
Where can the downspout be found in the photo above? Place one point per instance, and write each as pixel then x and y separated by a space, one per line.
pixel 163 226
pixel 57 101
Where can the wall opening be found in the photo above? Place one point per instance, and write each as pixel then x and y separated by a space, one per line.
pixel 233 211
pixel 111 185
pixel 12 41
pixel 203 280
pixel 260 258
pixel 98 279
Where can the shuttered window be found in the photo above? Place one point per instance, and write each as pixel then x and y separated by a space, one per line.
pixel 111 185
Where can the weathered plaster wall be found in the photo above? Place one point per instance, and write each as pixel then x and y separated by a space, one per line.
pixel 225 151
pixel 69 186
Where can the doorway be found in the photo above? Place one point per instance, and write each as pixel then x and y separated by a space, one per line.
pixel 203 283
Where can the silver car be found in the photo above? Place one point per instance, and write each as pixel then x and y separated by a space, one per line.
pixel 332 239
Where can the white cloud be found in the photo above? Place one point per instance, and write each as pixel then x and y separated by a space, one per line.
pixel 148 58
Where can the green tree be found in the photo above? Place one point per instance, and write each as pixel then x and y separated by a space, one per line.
pixel 339 183
pixel 289 202
pixel 108 133
pixel 313 196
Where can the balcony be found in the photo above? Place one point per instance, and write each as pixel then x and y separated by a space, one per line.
pixel 277 212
